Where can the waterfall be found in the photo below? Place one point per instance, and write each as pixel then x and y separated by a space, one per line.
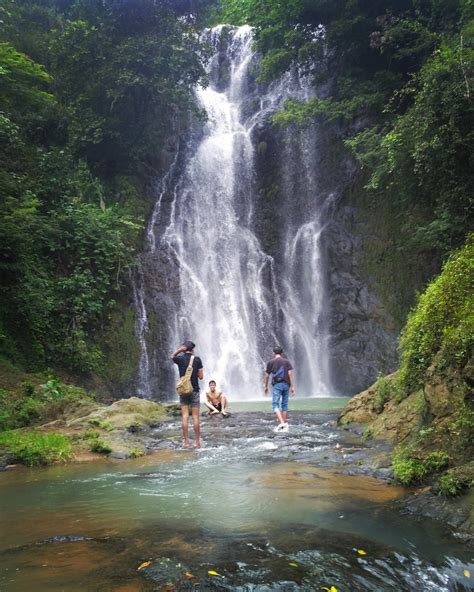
pixel 236 301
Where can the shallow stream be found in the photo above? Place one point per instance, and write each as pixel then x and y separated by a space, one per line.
pixel 264 511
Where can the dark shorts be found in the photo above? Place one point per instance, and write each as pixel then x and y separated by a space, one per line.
pixel 193 400
pixel 218 406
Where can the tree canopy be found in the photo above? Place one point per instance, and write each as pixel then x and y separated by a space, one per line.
pixel 400 75
pixel 89 93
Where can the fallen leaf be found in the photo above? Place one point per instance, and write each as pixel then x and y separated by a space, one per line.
pixel 361 552
pixel 293 564
pixel 189 575
pixel 211 572
pixel 331 589
pixel 144 564
pixel 467 573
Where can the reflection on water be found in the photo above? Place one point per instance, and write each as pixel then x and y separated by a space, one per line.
pixel 257 509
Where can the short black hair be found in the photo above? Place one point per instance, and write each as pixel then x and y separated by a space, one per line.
pixel 212 382
pixel 277 349
pixel 189 345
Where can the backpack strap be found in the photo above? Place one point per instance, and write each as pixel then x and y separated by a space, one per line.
pixel 189 369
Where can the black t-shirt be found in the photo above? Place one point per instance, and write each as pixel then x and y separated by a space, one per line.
pixel 182 360
pixel 278 368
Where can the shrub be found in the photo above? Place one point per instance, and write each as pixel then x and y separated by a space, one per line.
pixel 425 432
pixel 450 485
pixel 387 388
pixel 98 445
pixel 101 423
pixel 463 425
pixel 409 468
pixel 37 449
pixel 382 393
pixel 95 443
pixel 441 328
pixel 35 405
pixel 27 389
pixel 368 433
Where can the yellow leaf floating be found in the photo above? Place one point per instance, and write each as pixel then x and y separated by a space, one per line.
pixel 144 564
pixel 189 575
pixel 361 552
pixel 293 564
pixel 331 589
pixel 211 572
pixel 467 573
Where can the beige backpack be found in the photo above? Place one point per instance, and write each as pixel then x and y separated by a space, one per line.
pixel 184 386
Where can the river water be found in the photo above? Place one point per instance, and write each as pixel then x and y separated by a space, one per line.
pixel 264 511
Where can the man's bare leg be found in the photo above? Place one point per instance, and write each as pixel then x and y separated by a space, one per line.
pixel 284 415
pixel 279 416
pixel 224 404
pixel 212 409
pixel 185 424
pixel 197 431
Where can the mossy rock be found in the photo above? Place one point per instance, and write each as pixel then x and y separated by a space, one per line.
pixel 367 405
pixel 457 480
pixel 400 420
pixel 126 413
pixel 359 409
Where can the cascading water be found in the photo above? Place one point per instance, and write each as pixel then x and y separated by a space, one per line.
pixel 234 299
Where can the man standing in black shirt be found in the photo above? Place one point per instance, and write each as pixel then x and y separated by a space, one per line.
pixel 181 357
pixel 282 380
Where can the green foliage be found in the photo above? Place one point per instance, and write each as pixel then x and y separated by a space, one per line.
pixel 98 445
pixel 22 82
pixel 425 432
pixel 38 404
pixel 35 448
pixel 450 485
pixel 410 468
pixel 94 441
pixel 441 328
pixel 400 83
pixel 101 423
pixel 368 433
pixel 383 393
pixel 136 453
pixel 124 73
pixel 461 428
pixel 89 93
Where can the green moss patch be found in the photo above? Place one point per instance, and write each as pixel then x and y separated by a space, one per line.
pixel 36 449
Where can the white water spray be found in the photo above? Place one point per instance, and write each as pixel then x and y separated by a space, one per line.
pixel 229 303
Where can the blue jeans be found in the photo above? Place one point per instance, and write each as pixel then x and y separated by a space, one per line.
pixel 281 390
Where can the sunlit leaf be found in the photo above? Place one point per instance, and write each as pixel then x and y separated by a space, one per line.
pixel 467 573
pixel 189 575
pixel 293 564
pixel 144 564
pixel 211 572
pixel 361 552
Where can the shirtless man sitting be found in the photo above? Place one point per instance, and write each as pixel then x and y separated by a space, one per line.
pixel 216 400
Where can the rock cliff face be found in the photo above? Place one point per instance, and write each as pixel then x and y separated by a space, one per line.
pixel 362 336
pixel 439 416
pixel 296 199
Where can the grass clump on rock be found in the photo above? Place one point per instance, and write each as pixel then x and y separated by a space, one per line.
pixel 410 468
pixel 35 448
